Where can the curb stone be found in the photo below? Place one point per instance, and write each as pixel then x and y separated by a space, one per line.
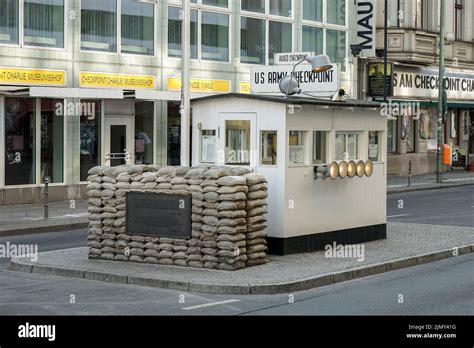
pixel 254 289
pixel 397 190
pixel 44 229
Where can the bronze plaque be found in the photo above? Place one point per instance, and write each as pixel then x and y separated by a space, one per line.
pixel 158 215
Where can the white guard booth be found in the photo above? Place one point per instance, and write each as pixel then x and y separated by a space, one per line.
pixel 293 143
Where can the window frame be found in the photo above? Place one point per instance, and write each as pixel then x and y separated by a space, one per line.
pixel 267 17
pixel 346 134
pixel 37 156
pixel 21 30
pixel 261 147
pixel 118 28
pixel 200 7
pixel 326 152
pixel 305 149
pixel 325 25
pixel 459 10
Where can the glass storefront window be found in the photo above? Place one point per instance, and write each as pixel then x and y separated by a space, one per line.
pixel 174 33
pixel 52 141
pixel 90 139
pixel 280 8
pixel 237 143
pixel 137 27
pixel 392 136
pixel 99 25
pixel 174 134
pixel 20 140
pixel 9 21
pixel 374 146
pixel 336 12
pixel 319 147
pixel 44 23
pixel 313 10
pixel 280 39
pixel 144 127
pixel 253 5
pixel 336 46
pixel 313 39
pixel 269 148
pixel 214 36
pixel 296 148
pixel 252 40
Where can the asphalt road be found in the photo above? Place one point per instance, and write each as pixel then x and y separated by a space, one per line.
pixel 440 288
pixel 449 207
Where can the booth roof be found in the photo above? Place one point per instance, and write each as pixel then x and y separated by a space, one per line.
pixel 293 100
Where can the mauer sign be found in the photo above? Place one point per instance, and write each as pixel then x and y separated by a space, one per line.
pixel 266 79
pixel 424 83
pixel 366 12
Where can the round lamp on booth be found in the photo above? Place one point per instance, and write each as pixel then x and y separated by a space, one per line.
pixel 369 168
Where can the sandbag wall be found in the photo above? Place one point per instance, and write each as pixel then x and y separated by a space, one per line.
pixel 229 210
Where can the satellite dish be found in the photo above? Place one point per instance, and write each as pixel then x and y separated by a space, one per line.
pixel 290 85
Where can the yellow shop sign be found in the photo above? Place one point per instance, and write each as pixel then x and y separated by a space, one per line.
pixel 200 85
pixel 123 81
pixel 14 76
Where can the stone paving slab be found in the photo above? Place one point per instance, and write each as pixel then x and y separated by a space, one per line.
pixel 407 245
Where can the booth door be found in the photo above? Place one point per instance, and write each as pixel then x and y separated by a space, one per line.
pixel 237 140
pixel 119 141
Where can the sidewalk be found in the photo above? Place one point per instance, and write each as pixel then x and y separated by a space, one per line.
pixel 399 184
pixel 407 245
pixel 29 218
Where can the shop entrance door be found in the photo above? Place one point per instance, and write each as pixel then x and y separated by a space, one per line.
pixel 238 139
pixel 119 141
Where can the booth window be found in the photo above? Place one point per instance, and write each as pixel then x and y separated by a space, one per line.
pixel 297 144
pixel 269 148
pixel 237 143
pixel 20 139
pixel 9 28
pixel 90 136
pixel 144 127
pixel 44 23
pixel 260 17
pixel 347 146
pixel 52 141
pixel 374 146
pixel 319 147
pixel 138 23
pixel 208 146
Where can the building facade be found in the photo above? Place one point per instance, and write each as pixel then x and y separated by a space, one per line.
pixel 413 41
pixel 87 82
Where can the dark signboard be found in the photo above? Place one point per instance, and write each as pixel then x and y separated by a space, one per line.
pixel 158 215
pixel 376 79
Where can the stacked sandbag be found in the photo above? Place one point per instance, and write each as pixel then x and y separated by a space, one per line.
pixel 209 217
pixel 109 210
pixel 256 243
pixel 231 226
pixel 94 189
pixel 194 255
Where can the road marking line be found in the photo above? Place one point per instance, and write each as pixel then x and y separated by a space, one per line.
pixel 209 305
pixel 395 216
